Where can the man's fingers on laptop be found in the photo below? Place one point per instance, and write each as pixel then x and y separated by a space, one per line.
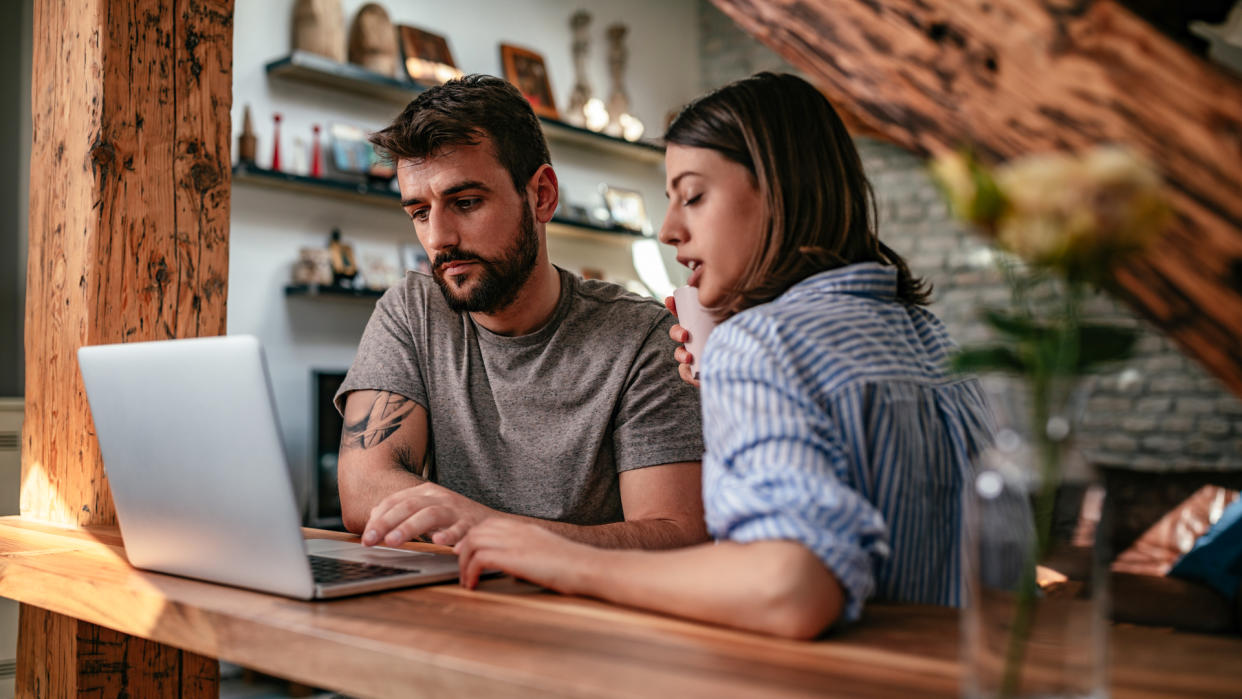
pixel 428 519
pixel 451 535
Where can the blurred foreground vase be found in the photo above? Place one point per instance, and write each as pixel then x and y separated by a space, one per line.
pixel 1036 621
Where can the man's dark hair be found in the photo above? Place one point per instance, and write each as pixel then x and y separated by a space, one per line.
pixel 462 112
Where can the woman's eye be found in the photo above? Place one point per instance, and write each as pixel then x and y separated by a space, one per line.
pixel 690 201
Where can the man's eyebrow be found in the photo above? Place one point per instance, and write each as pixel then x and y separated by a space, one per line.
pixel 673 183
pixel 455 189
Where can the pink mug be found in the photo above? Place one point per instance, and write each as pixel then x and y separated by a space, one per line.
pixel 697 321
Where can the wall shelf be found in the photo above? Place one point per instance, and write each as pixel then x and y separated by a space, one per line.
pixel 306 67
pixel 331 291
pixel 310 68
pixel 386 198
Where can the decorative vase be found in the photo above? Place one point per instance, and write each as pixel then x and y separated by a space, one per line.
pixel 1036 616
pixel 319 27
pixel 373 40
pixel 582 93
pixel 618 99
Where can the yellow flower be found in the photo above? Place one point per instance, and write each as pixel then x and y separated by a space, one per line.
pixel 968 185
pixel 1079 214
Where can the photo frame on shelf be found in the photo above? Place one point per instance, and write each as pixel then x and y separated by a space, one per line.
pixel 313 266
pixel 353 156
pixel 525 69
pixel 426 56
pixel 626 209
pixel 379 271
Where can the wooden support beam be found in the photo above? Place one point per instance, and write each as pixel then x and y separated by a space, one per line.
pixel 90 660
pixel 129 208
pixel 1012 77
pixel 129 190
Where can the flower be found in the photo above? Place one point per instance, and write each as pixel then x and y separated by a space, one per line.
pixel 1078 215
pixel 1067 220
pixel 970 188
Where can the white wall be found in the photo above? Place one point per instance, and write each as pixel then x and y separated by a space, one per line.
pixel 268 227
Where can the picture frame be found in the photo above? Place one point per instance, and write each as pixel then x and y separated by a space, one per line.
pixel 426 56
pixel 526 69
pixel 626 208
pixel 353 157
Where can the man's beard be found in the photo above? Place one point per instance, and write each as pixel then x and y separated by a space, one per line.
pixel 499 280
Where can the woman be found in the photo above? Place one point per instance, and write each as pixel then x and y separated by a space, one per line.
pixel 837 444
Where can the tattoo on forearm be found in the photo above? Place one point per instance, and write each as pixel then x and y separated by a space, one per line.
pixel 382 419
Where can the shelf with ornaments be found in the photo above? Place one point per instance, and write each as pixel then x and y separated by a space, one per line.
pixel 377 193
pixel 309 68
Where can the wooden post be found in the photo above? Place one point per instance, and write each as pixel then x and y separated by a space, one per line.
pixel 1011 77
pixel 129 208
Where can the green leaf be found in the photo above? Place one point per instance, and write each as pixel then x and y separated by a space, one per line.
pixel 978 359
pixel 1104 343
pixel 1013 325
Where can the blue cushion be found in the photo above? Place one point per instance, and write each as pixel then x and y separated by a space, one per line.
pixel 1216 558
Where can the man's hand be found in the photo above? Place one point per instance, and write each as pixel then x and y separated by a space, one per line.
pixel 681 354
pixel 524 550
pixel 426 508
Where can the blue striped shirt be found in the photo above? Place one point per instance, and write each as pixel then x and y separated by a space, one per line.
pixel 830 419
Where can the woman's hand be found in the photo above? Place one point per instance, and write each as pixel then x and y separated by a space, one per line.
pixel 524 550
pixel 681 354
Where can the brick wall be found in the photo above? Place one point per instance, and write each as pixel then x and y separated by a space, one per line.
pixel 1159 411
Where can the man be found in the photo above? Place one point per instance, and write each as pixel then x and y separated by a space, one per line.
pixel 530 393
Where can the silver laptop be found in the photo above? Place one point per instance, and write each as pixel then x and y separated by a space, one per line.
pixel 192 450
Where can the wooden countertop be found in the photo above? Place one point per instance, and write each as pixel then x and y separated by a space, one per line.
pixel 513 638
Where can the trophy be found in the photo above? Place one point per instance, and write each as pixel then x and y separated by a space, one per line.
pixel 621 123
pixel 579 22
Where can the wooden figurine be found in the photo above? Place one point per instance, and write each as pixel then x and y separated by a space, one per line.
pixel 319 27
pixel 344 266
pixel 373 40
pixel 246 142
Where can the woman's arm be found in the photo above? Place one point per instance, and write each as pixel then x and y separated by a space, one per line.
pixel 773 587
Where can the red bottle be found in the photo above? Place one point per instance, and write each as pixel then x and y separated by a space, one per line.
pixel 316 167
pixel 276 142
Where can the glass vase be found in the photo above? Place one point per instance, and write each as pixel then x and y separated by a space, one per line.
pixel 1036 616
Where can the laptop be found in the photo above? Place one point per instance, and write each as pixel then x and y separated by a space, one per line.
pixel 192 450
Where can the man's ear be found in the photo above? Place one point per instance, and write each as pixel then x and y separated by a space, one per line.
pixel 545 192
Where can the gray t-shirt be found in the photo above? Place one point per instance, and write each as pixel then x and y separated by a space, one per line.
pixel 537 424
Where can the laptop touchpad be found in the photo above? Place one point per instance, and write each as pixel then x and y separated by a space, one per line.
pixel 375 555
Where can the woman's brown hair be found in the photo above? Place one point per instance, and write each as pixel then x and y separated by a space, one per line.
pixel 820 208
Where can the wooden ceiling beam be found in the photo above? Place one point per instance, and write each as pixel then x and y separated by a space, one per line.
pixel 1013 77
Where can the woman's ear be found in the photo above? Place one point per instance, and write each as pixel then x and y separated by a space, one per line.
pixel 545 191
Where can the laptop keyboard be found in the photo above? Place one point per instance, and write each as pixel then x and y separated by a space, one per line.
pixel 335 570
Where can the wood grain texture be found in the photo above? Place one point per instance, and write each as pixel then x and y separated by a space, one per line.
pixel 90 660
pixel 511 639
pixel 128 214
pixel 128 241
pixel 1012 77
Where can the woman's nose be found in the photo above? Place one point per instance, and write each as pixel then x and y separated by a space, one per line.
pixel 671 230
